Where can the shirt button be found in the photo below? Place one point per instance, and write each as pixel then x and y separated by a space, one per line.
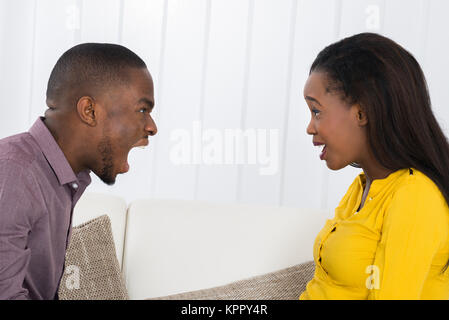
pixel 74 185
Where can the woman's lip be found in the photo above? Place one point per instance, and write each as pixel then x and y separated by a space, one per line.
pixel 323 153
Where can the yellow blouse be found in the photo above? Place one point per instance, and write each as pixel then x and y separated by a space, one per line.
pixel 395 247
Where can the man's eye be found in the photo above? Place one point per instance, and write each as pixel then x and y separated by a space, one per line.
pixel 143 110
pixel 315 112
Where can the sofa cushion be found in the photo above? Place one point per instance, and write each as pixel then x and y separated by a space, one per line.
pixel 92 270
pixel 285 284
pixel 93 205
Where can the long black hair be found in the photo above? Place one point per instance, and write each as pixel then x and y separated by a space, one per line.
pixel 389 84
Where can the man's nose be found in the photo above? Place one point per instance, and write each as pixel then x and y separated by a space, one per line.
pixel 151 127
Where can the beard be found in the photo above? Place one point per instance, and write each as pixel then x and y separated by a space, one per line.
pixel 106 173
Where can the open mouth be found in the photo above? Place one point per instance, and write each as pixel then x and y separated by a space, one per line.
pixel 142 144
pixel 323 151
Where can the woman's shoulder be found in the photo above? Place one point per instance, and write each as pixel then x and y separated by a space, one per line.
pixel 416 191
pixel 418 185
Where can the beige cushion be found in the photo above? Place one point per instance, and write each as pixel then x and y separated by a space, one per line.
pixel 92 271
pixel 93 205
pixel 285 284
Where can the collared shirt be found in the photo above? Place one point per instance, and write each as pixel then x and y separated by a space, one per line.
pixel 395 247
pixel 38 191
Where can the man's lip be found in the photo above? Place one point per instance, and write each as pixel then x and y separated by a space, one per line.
pixel 141 143
pixel 318 144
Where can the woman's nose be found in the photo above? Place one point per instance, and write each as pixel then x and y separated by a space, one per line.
pixel 311 128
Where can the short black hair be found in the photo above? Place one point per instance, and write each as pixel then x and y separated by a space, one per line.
pixel 91 65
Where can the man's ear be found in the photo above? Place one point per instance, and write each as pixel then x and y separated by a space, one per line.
pixel 361 116
pixel 87 110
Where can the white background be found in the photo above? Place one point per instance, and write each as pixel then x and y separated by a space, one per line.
pixel 226 63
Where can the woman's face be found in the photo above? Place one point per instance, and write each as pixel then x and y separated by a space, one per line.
pixel 337 127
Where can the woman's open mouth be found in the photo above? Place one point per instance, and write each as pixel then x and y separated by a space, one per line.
pixel 323 153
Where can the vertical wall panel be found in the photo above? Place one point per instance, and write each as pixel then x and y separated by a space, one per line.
pixel 267 91
pixel 356 16
pixel 227 64
pixel 181 93
pixel 54 34
pixel 436 63
pixel 361 16
pixel 304 174
pixel 223 91
pixel 100 21
pixel 141 30
pixel 409 28
pixel 16 50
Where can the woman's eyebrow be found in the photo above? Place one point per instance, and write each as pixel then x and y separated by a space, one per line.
pixel 313 100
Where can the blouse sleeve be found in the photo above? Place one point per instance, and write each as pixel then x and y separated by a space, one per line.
pixel 411 236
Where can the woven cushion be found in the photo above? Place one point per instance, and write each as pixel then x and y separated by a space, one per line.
pixel 92 271
pixel 285 284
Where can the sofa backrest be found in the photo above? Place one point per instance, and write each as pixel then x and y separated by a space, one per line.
pixel 174 246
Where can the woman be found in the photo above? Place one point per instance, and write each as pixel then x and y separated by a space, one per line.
pixel 389 238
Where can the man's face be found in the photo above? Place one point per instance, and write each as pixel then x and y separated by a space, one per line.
pixel 126 123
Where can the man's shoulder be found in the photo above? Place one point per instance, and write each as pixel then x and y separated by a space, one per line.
pixel 20 149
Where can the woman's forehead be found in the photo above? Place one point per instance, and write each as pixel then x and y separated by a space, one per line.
pixel 315 85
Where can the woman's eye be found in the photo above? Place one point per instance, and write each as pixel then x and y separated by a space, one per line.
pixel 315 112
pixel 143 110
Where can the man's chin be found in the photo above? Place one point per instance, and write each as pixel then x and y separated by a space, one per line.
pixel 108 179
pixel 109 182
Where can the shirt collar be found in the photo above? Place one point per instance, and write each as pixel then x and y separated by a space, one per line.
pixel 54 154
pixel 378 184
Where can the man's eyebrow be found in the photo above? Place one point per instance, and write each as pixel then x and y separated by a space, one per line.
pixel 147 101
pixel 313 100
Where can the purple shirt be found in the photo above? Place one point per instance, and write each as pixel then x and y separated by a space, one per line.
pixel 38 190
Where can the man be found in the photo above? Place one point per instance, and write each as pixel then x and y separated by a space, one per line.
pixel 99 99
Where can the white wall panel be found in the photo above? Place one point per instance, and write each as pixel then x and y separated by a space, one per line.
pixel 179 101
pixel 409 28
pixel 356 16
pixel 16 55
pixel 236 64
pixel 224 87
pixel 267 94
pixel 436 63
pixel 100 21
pixel 305 176
pixel 54 34
pixel 361 16
pixel 141 24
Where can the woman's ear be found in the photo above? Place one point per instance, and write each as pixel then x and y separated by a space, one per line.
pixel 361 116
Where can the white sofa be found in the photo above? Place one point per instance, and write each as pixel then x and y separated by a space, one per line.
pixel 167 247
